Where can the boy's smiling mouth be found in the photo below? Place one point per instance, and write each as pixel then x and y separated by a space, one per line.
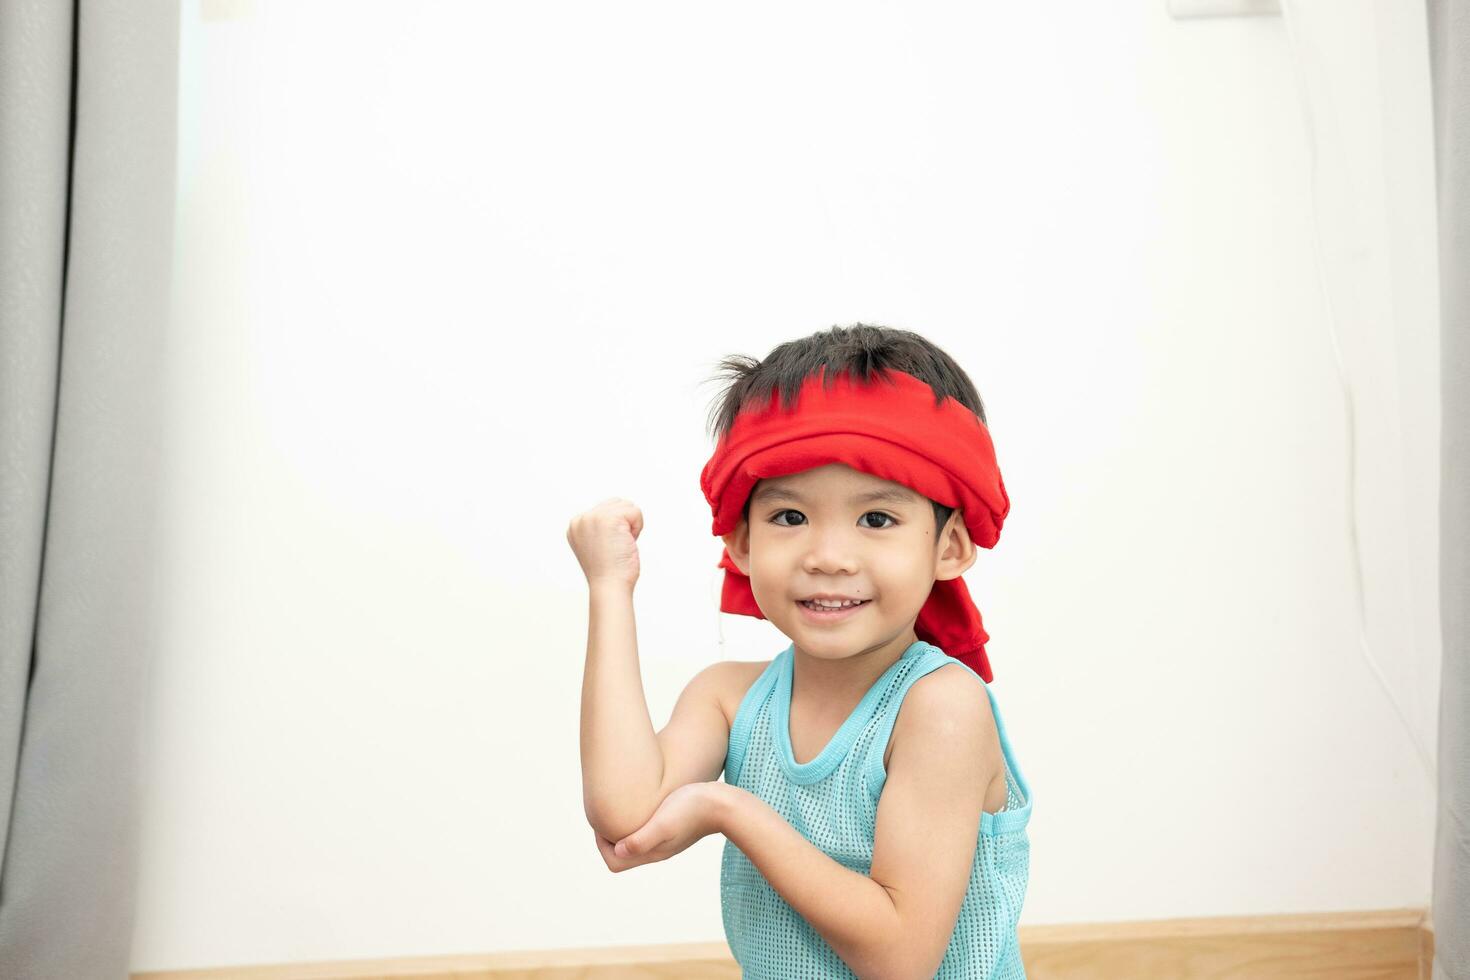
pixel 827 611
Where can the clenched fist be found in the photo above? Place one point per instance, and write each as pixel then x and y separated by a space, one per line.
pixel 604 540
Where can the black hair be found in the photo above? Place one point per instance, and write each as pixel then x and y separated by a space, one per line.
pixel 863 351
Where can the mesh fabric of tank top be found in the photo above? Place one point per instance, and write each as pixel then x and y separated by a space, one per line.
pixel 832 799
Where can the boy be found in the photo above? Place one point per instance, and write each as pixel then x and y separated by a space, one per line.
pixel 862 840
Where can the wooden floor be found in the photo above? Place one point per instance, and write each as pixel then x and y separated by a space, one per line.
pixel 1393 944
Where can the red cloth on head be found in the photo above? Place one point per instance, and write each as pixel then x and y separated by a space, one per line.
pixel 890 428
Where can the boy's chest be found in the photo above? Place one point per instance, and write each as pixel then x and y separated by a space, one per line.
pixel 810 735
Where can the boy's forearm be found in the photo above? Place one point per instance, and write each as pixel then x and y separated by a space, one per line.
pixel 851 911
pixel 622 764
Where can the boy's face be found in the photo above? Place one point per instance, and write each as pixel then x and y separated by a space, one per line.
pixel 812 532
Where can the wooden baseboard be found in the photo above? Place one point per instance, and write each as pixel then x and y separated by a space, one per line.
pixel 1393 944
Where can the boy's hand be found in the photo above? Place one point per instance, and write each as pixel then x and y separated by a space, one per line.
pixel 603 539
pixel 685 815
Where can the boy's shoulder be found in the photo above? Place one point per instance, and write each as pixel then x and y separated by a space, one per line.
pixel 736 677
pixel 951 688
pixel 948 692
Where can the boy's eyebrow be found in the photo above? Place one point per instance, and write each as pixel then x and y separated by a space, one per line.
pixel 895 495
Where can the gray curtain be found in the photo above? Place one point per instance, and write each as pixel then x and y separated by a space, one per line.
pixel 87 121
pixel 1449 60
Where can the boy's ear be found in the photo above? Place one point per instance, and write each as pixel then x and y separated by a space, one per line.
pixel 957 551
pixel 737 542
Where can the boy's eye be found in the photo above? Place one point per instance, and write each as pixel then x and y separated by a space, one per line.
pixel 871 513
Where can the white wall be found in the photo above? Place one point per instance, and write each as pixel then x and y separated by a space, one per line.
pixel 446 277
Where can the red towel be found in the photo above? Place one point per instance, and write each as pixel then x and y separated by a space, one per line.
pixel 891 428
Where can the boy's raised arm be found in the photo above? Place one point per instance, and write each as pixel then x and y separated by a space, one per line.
pixel 622 764
pixel 621 761
pixel 627 769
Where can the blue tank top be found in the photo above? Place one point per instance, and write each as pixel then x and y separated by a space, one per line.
pixel 833 801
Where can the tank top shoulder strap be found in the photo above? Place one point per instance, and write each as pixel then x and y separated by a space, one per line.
pixel 1013 817
pixel 751 704
pixel 931 659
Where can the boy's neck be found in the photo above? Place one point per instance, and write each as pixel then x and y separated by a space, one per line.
pixel 844 680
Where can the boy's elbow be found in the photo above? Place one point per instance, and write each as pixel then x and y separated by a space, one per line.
pixel 907 966
pixel 608 835
pixel 889 962
pixel 902 955
pixel 610 830
pixel 613 823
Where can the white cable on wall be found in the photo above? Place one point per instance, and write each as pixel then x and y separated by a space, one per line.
pixel 1298 53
